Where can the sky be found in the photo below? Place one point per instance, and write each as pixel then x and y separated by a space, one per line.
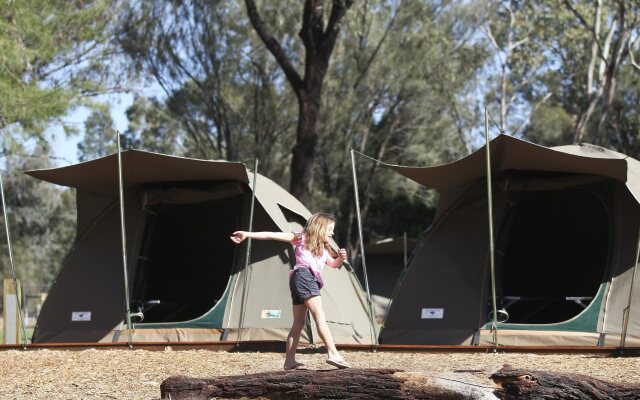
pixel 66 148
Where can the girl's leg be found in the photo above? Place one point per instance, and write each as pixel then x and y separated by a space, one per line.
pixel 299 314
pixel 314 304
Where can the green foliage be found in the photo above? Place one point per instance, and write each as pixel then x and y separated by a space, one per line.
pixel 550 125
pixel 224 95
pixel 41 218
pixel 99 136
pixel 547 70
pixel 47 51
pixel 152 128
pixel 52 57
pixel 623 129
pixel 396 214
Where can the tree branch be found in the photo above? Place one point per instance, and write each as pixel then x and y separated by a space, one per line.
pixel 487 31
pixel 312 26
pixel 632 44
pixel 338 11
pixel 273 45
pixel 378 46
pixel 591 29
pixel 533 110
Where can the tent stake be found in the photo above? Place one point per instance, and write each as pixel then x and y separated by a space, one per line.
pixel 13 269
pixel 494 323
pixel 247 255
pixel 124 244
pixel 374 337
pixel 626 313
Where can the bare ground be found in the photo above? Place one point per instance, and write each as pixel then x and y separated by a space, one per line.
pixel 137 374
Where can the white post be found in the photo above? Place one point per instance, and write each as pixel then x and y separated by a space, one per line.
pixel 16 284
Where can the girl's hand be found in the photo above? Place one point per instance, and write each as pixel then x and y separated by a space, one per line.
pixel 238 236
pixel 343 254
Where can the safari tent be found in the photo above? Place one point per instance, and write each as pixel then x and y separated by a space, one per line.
pixel 566 227
pixel 385 261
pixel 187 281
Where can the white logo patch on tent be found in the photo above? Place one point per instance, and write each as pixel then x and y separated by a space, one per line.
pixel 81 316
pixel 432 313
pixel 268 314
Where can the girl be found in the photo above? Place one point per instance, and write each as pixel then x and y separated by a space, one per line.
pixel 305 281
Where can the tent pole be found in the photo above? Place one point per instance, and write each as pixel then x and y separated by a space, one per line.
pixel 494 323
pixel 13 269
pixel 364 263
pixel 404 237
pixel 248 254
pixel 627 311
pixel 124 243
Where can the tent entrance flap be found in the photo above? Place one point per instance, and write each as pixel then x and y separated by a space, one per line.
pixel 552 253
pixel 186 259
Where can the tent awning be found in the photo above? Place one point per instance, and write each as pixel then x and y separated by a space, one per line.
pixel 101 175
pixel 509 153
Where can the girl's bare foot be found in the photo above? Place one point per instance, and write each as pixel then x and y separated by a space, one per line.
pixel 295 366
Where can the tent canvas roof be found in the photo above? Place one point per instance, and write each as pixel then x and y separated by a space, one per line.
pixel 101 175
pixel 509 153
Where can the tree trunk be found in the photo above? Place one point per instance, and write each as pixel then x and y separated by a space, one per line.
pixel 329 384
pixel 618 55
pixel 512 384
pixel 525 384
pixel 305 148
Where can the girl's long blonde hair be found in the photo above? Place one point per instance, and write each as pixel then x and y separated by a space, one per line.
pixel 315 231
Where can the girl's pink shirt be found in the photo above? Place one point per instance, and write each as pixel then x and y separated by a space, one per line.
pixel 306 259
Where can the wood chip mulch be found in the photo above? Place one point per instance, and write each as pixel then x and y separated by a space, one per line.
pixel 137 374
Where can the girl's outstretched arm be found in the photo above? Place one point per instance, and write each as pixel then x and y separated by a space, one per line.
pixel 337 262
pixel 239 236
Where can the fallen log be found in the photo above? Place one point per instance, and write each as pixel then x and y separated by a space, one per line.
pixel 327 384
pixel 522 384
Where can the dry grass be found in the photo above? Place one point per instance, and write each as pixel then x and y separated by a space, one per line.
pixel 137 374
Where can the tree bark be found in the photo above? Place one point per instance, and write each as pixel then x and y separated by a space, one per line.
pixel 526 384
pixel 330 384
pixel 304 149
pixel 617 56
pixel 610 62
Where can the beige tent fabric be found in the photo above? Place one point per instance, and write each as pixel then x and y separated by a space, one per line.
pixel 509 153
pixel 101 175
pixel 539 338
pixel 632 177
pixel 91 278
pixel 272 196
pixel 166 335
pixel 627 217
pixel 385 262
pixel 444 274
